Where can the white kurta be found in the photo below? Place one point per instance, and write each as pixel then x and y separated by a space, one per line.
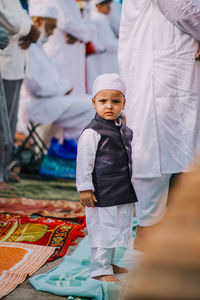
pixel 114 16
pixel 70 59
pixel 14 62
pixel 106 62
pixel 157 61
pixel 43 101
pixel 108 227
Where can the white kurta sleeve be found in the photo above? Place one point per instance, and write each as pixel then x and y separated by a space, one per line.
pixel 87 147
pixel 15 20
pixel 184 14
pixel 106 35
pixel 45 79
pixel 70 23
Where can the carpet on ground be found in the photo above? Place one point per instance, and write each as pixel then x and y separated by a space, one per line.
pixel 47 208
pixel 71 277
pixel 43 190
pixel 17 261
pixel 41 231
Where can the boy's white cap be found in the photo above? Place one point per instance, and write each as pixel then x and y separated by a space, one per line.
pixel 108 82
pixel 100 1
pixel 42 8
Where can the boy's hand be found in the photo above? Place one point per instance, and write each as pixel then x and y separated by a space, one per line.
pixel 87 198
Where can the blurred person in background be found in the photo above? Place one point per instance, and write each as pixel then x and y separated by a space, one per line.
pixel 106 61
pixel 67 45
pixel 14 65
pixel 46 97
pixel 170 270
pixel 114 15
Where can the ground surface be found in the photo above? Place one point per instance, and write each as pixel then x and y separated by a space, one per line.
pixel 43 190
pixel 49 190
pixel 25 291
pixel 46 190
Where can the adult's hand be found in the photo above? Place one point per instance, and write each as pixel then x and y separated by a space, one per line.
pixel 31 37
pixel 70 39
pixel 68 92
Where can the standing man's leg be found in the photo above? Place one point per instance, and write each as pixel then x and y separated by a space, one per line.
pixel 152 196
pixel 12 93
pixel 5 137
pixel 3 186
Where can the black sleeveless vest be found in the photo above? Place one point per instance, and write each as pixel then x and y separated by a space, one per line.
pixel 113 166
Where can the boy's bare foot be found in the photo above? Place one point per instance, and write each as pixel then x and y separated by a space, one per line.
pixel 107 278
pixel 119 270
pixel 5 187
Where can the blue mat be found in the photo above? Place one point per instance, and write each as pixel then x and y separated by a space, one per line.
pixel 71 277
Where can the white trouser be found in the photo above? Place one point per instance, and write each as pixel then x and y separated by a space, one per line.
pixel 152 196
pixel 101 261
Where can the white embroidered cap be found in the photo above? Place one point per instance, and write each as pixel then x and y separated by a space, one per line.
pixel 42 8
pixel 108 82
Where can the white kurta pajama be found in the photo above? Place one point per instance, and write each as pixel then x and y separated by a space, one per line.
pixel 108 227
pixel 43 101
pixel 70 59
pixel 157 47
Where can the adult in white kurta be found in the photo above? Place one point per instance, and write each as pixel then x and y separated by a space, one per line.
pixel 106 62
pixel 114 16
pixel 157 47
pixel 70 59
pixel 14 67
pixel 43 101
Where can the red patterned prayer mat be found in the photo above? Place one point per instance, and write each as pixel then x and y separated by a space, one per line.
pixel 46 208
pixel 41 231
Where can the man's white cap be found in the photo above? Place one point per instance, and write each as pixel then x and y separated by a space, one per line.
pixel 42 8
pixel 108 82
pixel 100 1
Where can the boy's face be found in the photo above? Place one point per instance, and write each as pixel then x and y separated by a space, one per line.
pixel 109 104
pixel 104 8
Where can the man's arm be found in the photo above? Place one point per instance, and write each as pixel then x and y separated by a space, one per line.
pixel 76 27
pixel 15 20
pixel 185 14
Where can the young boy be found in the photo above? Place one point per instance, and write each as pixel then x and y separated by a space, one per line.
pixel 104 171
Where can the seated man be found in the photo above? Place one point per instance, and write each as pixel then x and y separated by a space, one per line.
pixel 45 98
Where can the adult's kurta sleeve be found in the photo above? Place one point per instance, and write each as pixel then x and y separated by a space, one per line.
pixel 87 148
pixel 106 35
pixel 185 14
pixel 70 23
pixel 45 79
pixel 14 18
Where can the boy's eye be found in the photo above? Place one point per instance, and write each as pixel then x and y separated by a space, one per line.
pixel 102 100
pixel 116 101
